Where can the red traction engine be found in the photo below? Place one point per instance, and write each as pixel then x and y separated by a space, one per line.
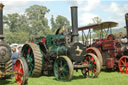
pixel 113 51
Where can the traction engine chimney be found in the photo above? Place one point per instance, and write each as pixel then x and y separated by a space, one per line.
pixel 1 21
pixel 126 19
pixel 74 23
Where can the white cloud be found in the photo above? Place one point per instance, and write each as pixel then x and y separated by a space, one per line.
pixel 14 3
pixel 91 5
pixel 85 5
pixel 117 9
pixel 85 9
pixel 17 6
pixel 8 10
pixel 13 6
pixel 86 18
pixel 114 7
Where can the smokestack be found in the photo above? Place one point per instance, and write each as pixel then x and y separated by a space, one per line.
pixel 74 23
pixel 126 19
pixel 1 20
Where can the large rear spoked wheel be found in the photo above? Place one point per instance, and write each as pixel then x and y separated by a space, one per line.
pixel 21 71
pixel 94 66
pixel 31 53
pixel 63 68
pixel 123 64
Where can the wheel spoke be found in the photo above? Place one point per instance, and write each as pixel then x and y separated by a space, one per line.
pixel 123 69
pixel 125 61
pixel 126 70
pixel 122 61
pixel 121 65
pixel 94 70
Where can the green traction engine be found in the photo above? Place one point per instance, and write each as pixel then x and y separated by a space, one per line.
pixel 59 55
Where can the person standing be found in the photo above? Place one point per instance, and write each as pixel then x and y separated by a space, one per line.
pixel 15 55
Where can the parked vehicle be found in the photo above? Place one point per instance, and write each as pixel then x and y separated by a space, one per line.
pixel 114 51
pixel 57 54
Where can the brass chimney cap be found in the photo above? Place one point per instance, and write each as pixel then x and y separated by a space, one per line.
pixel 1 6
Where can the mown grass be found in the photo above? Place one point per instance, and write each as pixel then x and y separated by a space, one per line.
pixel 105 78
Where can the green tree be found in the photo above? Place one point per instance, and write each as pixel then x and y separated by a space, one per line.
pixel 97 20
pixel 37 21
pixel 22 27
pixel 59 22
pixel 11 21
pixel 33 23
pixel 53 24
pixel 62 21
pixel 16 28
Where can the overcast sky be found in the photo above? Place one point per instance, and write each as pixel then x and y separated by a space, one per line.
pixel 107 10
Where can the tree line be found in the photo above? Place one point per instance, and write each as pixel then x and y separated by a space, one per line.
pixel 33 23
pixel 19 28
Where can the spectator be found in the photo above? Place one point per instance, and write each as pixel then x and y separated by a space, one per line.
pixel 14 57
pixel 19 50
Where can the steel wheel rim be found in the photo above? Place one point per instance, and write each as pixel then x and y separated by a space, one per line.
pixel 97 53
pixel 123 64
pixel 94 69
pixel 19 75
pixel 32 54
pixel 90 71
pixel 62 70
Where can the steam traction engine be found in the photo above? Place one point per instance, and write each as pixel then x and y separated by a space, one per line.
pixel 5 57
pixel 5 51
pixel 58 54
pixel 114 51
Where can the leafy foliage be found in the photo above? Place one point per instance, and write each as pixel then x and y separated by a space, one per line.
pixel 97 20
pixel 59 22
pixel 37 21
pixel 20 28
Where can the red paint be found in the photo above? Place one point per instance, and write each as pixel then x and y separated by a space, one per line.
pixel 43 40
pixel 108 45
pixel 123 64
pixel 110 62
pixel 90 58
pixel 18 68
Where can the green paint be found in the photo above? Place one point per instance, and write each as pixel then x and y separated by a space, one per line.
pixel 61 69
pixel 28 57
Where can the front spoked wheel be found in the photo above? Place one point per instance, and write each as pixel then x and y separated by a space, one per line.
pixel 63 69
pixel 123 64
pixel 21 71
pixel 94 66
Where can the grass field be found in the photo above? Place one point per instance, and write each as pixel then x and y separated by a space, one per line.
pixel 105 78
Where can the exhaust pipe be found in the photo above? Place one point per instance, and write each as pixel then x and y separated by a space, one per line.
pixel 74 23
pixel 1 21
pixel 126 19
